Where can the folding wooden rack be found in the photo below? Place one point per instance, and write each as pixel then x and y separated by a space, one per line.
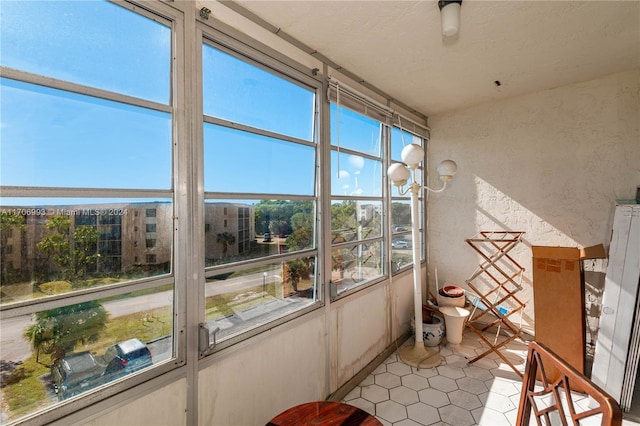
pixel 497 274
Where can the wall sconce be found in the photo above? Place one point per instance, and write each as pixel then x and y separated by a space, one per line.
pixel 450 11
pixel 417 355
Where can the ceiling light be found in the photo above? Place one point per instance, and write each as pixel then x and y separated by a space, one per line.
pixel 450 11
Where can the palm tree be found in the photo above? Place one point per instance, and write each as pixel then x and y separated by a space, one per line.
pixel 226 239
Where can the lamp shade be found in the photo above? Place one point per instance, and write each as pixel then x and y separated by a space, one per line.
pixel 450 11
pixel 398 174
pixel 412 155
pixel 447 169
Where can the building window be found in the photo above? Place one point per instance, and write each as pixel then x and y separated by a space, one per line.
pixel 71 120
pixel 151 258
pixel 150 213
pixel 151 227
pixel 272 111
pixel 151 242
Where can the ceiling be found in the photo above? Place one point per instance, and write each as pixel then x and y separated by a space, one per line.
pixel 526 46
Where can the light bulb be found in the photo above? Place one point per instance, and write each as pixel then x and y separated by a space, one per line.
pixel 412 155
pixel 398 174
pixel 447 169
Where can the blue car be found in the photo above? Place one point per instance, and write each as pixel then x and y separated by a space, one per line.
pixel 127 357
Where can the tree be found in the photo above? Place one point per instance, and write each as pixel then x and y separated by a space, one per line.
pixel 401 213
pixel 226 239
pixel 302 236
pixel 71 251
pixel 343 221
pixel 295 270
pixel 9 221
pixel 58 331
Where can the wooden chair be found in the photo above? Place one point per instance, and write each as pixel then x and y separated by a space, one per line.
pixel 551 397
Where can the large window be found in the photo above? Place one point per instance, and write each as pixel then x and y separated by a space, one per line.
pixel 260 193
pixel 356 199
pixel 401 242
pixel 85 300
pixel 140 182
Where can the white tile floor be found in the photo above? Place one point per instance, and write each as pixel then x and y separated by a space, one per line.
pixel 455 393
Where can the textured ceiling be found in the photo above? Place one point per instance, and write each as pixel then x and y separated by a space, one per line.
pixel 527 46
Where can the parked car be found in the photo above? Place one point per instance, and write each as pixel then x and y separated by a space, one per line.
pixel 126 357
pixel 266 237
pixel 400 244
pixel 76 373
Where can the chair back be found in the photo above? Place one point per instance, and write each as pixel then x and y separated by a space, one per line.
pixel 551 390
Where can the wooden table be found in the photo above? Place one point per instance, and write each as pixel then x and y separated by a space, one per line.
pixel 325 413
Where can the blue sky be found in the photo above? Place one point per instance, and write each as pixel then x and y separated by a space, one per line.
pixel 53 138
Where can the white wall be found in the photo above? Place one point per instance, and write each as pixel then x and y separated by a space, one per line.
pixel 550 164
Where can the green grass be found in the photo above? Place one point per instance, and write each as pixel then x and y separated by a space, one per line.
pixel 28 392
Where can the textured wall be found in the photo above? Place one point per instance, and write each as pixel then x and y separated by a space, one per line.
pixel 550 164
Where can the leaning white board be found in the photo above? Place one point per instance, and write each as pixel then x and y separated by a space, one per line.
pixel 618 301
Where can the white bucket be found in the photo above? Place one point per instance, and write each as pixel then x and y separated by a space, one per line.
pixel 454 318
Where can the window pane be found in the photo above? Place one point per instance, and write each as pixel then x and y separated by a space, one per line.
pixel 400 139
pixel 401 252
pixel 237 161
pixel 57 247
pixel 353 175
pixel 237 91
pixel 56 354
pixel 237 230
pixel 400 215
pixel 355 220
pixel 243 300
pixel 88 42
pixel 357 132
pixel 52 138
pixel 355 265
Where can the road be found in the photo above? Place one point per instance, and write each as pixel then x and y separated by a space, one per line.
pixel 13 347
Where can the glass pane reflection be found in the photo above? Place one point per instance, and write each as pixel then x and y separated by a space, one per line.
pixel 355 265
pixel 51 248
pixel 238 301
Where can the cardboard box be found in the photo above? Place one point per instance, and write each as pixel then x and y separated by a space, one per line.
pixel 558 293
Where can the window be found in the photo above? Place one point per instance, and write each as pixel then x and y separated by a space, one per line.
pixel 401 241
pixel 74 126
pixel 261 252
pixel 356 199
pixel 88 161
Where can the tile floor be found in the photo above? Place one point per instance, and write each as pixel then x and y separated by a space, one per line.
pixel 455 393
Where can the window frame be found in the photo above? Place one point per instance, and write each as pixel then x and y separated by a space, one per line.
pixel 414 130
pixel 188 197
pixel 266 59
pixel 174 21
pixel 384 149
